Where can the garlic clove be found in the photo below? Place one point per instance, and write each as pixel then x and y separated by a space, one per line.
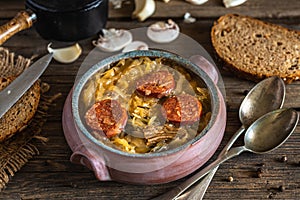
pixel 139 4
pixel 113 40
pixel 196 2
pixel 143 9
pixel 135 45
pixel 232 3
pixel 187 18
pixel 117 4
pixel 162 32
pixel 67 54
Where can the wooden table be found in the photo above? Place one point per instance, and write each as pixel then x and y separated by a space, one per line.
pixel 51 175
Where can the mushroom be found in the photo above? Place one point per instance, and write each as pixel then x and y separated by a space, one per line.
pixel 67 54
pixel 232 3
pixel 135 45
pixel 196 2
pixel 113 40
pixel 162 32
pixel 143 9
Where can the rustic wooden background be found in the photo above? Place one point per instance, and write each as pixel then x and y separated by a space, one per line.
pixel 50 175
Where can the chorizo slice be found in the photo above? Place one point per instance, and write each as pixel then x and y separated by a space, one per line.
pixel 107 116
pixel 157 84
pixel 184 109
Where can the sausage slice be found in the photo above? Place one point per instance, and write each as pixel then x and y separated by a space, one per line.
pixel 183 109
pixel 107 116
pixel 157 84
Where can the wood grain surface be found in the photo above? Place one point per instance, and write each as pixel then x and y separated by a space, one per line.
pixel 51 175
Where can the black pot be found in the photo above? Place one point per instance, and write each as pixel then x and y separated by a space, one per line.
pixel 69 20
pixel 63 20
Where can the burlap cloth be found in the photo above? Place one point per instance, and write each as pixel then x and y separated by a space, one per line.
pixel 16 151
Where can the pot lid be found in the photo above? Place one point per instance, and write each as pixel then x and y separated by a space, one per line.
pixel 62 5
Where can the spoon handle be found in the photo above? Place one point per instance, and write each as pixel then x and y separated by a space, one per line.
pixel 199 189
pixel 177 191
pixel 232 140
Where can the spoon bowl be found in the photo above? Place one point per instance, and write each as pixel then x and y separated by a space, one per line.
pixel 270 131
pixel 266 96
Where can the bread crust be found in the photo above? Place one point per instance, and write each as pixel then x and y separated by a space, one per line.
pixel 254 49
pixel 20 114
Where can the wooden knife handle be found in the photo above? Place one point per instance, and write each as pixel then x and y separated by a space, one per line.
pixel 23 20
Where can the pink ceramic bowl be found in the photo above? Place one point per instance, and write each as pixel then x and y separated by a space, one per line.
pixel 152 168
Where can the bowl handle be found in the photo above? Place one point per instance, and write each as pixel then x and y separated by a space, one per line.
pixel 92 161
pixel 22 20
pixel 206 66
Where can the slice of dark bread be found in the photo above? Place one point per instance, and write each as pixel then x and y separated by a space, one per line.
pixel 254 49
pixel 19 115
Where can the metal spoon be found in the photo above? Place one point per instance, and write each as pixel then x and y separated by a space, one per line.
pixel 264 135
pixel 266 96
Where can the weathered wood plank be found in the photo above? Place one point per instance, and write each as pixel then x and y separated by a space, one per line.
pixel 50 175
pixel 177 8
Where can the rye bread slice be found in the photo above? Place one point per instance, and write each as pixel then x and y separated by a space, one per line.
pixel 254 49
pixel 21 112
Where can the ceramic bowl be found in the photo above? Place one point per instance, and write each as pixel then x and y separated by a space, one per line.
pixel 152 168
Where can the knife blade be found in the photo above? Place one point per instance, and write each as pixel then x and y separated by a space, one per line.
pixel 14 91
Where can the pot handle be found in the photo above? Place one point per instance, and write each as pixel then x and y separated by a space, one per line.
pixel 22 20
pixel 92 161
pixel 206 66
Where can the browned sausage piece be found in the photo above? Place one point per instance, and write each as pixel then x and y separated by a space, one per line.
pixel 107 116
pixel 156 84
pixel 183 109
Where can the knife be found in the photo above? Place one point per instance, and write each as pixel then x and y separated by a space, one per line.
pixel 14 91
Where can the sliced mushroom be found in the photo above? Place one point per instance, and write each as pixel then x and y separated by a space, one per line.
pixel 143 9
pixel 113 40
pixel 162 32
pixel 66 54
pixel 232 3
pixel 135 45
pixel 196 2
